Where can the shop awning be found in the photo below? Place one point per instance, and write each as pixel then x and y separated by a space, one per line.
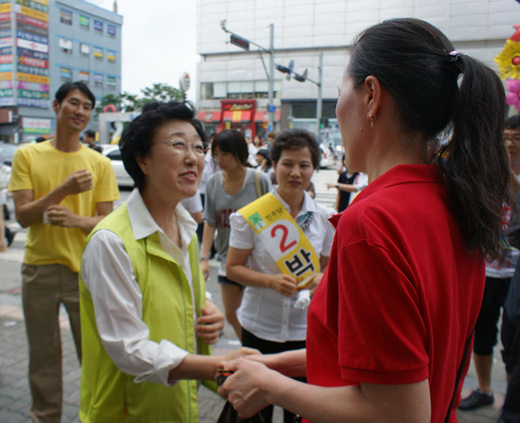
pixel 209 116
pixel 238 116
pixel 262 116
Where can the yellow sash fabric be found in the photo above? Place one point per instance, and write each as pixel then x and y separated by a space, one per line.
pixel 284 239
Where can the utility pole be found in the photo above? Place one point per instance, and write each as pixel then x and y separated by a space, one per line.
pixel 319 100
pixel 270 77
pixel 243 43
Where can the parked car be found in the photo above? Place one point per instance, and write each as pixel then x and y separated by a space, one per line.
pixel 123 179
pixel 326 156
pixel 7 152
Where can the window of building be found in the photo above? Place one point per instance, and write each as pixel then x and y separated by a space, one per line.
pixel 65 74
pixel 98 53
pixel 84 49
pixel 238 89
pixel 84 76
pixel 111 31
pixel 84 22
pixel 111 56
pixel 65 45
pixel 220 90
pixel 98 26
pixel 66 17
pixel 98 80
pixel 206 90
pixel 111 82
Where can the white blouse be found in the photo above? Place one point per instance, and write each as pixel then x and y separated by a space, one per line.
pixel 264 312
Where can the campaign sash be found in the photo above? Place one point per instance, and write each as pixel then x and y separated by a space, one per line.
pixel 282 237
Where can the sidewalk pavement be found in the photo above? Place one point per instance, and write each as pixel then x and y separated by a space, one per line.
pixel 15 397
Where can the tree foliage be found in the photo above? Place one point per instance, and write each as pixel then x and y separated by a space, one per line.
pixel 126 102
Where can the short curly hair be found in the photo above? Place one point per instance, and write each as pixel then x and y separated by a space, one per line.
pixel 294 139
pixel 138 134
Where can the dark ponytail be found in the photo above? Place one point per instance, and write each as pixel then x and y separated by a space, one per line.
pixel 475 161
pixel 416 63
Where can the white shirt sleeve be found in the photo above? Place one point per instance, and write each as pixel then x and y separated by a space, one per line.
pixel 108 274
pixel 192 204
pixel 241 235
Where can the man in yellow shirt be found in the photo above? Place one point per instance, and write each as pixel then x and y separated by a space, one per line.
pixel 61 190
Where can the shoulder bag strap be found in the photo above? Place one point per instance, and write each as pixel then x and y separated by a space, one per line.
pixel 259 192
pixel 459 374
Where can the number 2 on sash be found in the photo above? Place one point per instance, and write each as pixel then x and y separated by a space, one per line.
pixel 285 232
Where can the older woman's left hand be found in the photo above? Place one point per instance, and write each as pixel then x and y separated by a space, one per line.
pixel 246 389
pixel 210 324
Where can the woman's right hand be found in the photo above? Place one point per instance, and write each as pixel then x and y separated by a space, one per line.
pixel 204 265
pixel 283 284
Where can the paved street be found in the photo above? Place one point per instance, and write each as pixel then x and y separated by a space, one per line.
pixel 14 390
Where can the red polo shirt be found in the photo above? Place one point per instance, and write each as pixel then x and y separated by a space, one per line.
pixel 401 293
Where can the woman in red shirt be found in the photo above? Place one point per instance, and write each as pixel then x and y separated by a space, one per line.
pixel 390 321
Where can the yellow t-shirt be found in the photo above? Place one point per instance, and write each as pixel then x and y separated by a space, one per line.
pixel 41 168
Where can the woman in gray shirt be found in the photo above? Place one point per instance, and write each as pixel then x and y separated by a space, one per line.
pixel 235 186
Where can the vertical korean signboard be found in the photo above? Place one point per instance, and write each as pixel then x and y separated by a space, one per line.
pixel 6 55
pixel 32 48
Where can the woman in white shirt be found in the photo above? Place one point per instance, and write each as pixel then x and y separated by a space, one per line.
pixel 268 316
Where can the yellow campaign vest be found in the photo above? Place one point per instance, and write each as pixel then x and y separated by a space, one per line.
pixel 284 239
pixel 109 395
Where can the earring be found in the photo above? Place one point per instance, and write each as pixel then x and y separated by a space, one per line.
pixel 372 120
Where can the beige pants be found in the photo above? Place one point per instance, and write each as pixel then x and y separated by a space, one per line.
pixel 44 289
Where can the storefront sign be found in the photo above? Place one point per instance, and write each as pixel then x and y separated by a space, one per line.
pixel 98 25
pixel 84 21
pixel 32 70
pixel 35 5
pixel 6 101
pixel 5 76
pixel 27 11
pixel 84 76
pixel 30 61
pixel 6 92
pixel 31 53
pixel 6 67
pixel 5 42
pixel 238 105
pixel 32 21
pixel 33 78
pixel 98 52
pixel 31 102
pixel 33 86
pixel 31 45
pixel 31 37
pixel 111 30
pixel 33 29
pixel 33 94
pixel 36 126
pixel 5 8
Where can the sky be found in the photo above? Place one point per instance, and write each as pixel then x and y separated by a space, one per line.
pixel 158 42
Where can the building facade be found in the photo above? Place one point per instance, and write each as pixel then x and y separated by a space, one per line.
pixel 44 43
pixel 304 29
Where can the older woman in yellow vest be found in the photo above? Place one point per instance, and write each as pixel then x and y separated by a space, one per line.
pixel 146 323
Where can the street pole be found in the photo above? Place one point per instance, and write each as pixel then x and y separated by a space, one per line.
pixel 270 106
pixel 244 43
pixel 319 101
